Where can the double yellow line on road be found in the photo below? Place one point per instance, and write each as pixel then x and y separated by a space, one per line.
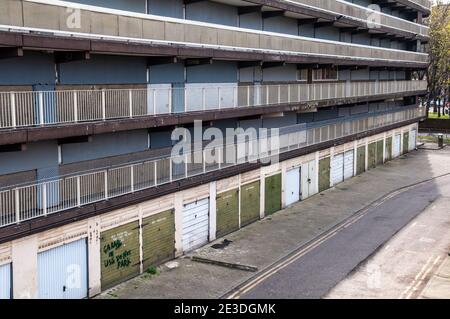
pixel 247 286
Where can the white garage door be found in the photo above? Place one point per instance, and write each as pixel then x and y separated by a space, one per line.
pixel 292 186
pixel 309 179
pixel 195 224
pixel 348 164
pixel 397 145
pixel 412 140
pixel 337 168
pixel 5 281
pixel 62 272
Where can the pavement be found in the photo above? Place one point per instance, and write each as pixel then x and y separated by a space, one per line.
pixel 266 243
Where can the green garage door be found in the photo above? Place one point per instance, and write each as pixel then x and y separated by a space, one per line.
pixel 324 174
pixel 361 160
pixel 119 250
pixel 388 148
pixel 405 142
pixel 250 204
pixel 158 238
pixel 272 200
pixel 380 145
pixel 227 213
pixel 372 157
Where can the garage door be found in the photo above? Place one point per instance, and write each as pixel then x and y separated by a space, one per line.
pixel 292 186
pixel 250 204
pixel 5 281
pixel 405 142
pixel 380 150
pixel 412 140
pixel 272 200
pixel 158 238
pixel 397 146
pixel 120 254
pixel 62 272
pixel 388 149
pixel 372 156
pixel 348 164
pixel 227 212
pixel 360 160
pixel 337 169
pixel 309 178
pixel 324 174
pixel 195 224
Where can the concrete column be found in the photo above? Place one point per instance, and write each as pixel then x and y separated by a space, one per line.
pixel 283 183
pixel 331 166
pixel 309 78
pixel 94 258
pixel 316 177
pixel 262 192
pixel 25 268
pixel 178 206
pixel 367 153
pixel 355 156
pixel 212 210
pixel 384 146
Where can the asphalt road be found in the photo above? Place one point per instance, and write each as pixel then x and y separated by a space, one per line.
pixel 320 269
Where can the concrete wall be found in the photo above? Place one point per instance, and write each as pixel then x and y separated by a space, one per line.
pixel 127 5
pixel 281 73
pixel 36 156
pixel 217 72
pixel 327 33
pixel 288 118
pixel 166 73
pixel 251 21
pixel 17 71
pixel 212 12
pixel 167 8
pixel 105 70
pixel 105 145
pixel 281 25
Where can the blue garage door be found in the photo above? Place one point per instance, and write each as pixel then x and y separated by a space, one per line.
pixel 5 281
pixel 63 272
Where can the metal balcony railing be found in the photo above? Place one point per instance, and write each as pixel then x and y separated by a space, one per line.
pixel 41 108
pixel 25 202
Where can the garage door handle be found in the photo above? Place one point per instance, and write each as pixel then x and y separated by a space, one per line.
pixel 309 180
pixel 64 288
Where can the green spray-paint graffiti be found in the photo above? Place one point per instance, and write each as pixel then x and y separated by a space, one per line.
pixel 121 260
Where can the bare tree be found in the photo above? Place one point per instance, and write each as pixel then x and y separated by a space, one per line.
pixel 438 74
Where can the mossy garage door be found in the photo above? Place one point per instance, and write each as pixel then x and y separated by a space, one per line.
pixel 380 145
pixel 388 149
pixel 227 212
pixel 324 174
pixel 158 238
pixel 361 160
pixel 119 249
pixel 250 204
pixel 405 142
pixel 372 156
pixel 272 199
